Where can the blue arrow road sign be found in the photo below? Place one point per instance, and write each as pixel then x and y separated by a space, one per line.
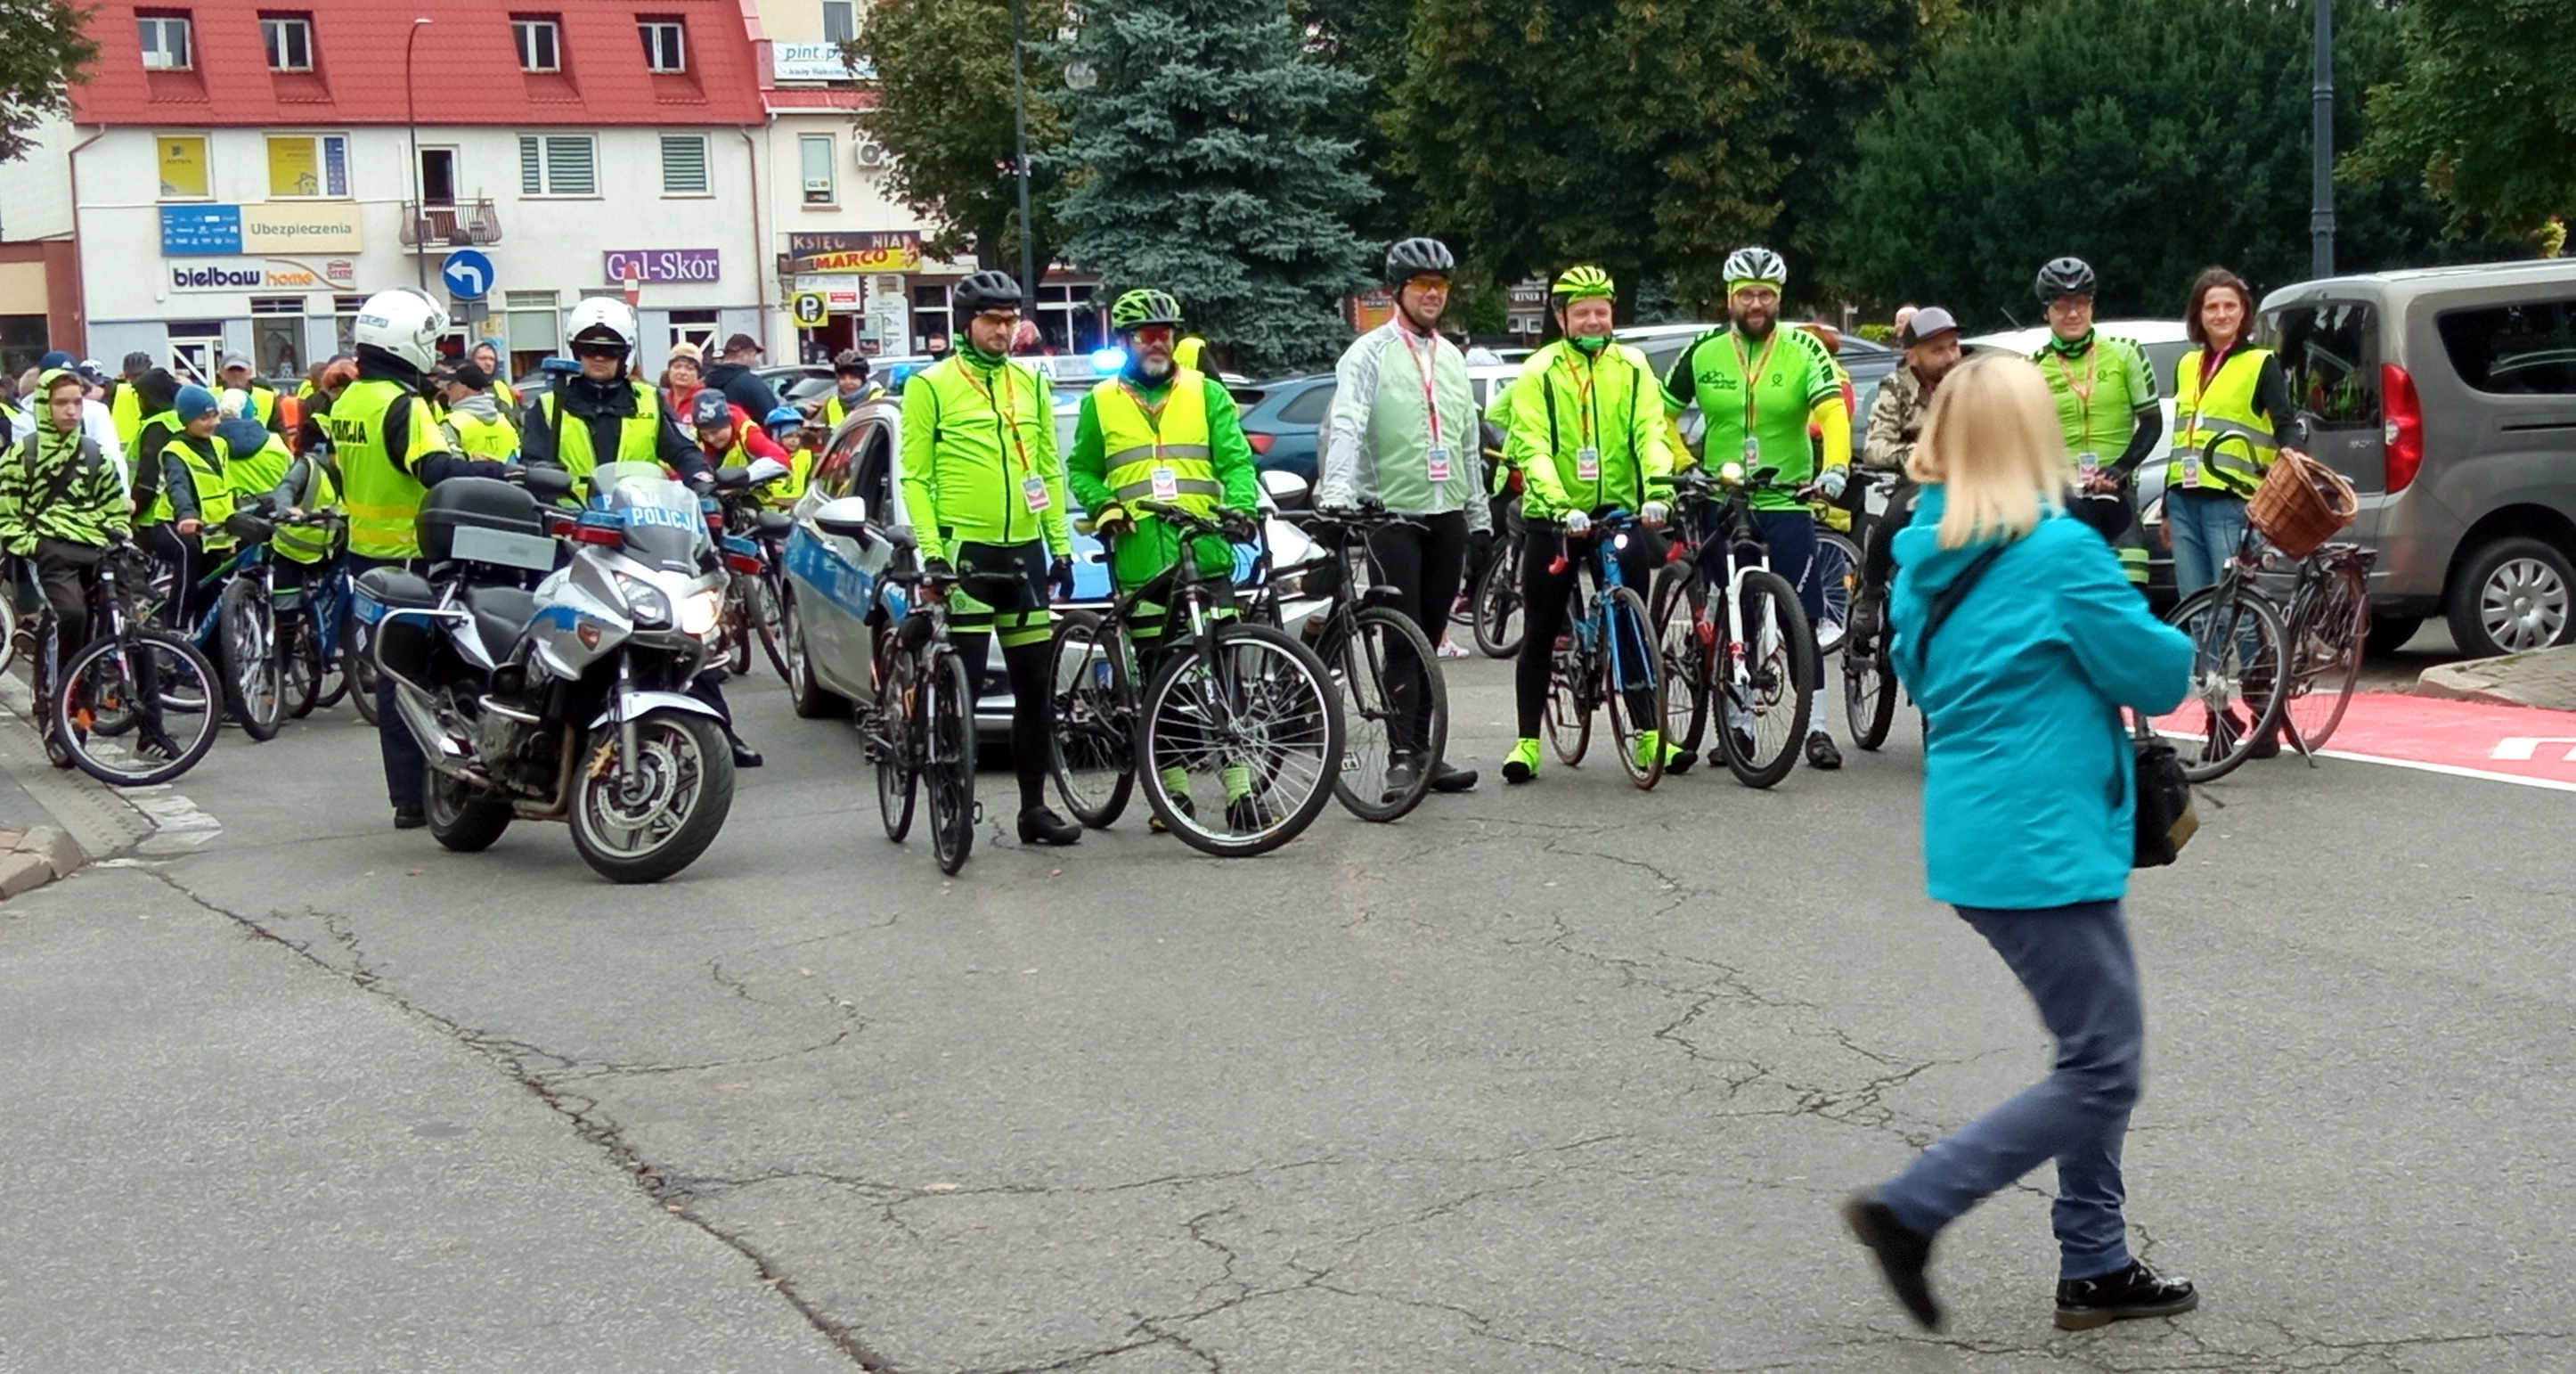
pixel 468 274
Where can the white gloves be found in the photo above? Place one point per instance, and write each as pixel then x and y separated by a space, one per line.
pixel 1653 513
pixel 1833 480
pixel 1577 524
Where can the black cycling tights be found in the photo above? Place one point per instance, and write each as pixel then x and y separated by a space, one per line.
pixel 1543 617
pixel 1032 705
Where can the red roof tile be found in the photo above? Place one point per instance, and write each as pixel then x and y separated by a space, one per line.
pixel 466 64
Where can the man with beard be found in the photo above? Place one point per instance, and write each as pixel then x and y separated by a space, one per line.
pixel 1759 387
pixel 1403 436
pixel 1165 433
pixel 1931 344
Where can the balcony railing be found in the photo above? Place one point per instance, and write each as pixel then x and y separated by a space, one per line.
pixel 437 228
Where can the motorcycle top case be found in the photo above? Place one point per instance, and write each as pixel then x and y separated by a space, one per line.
pixel 483 506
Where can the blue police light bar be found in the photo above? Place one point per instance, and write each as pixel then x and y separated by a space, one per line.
pixel 1108 360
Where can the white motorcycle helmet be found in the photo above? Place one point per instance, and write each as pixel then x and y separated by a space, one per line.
pixel 402 322
pixel 602 315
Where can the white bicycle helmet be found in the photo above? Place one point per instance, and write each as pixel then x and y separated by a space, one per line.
pixel 1755 264
pixel 602 315
pixel 402 322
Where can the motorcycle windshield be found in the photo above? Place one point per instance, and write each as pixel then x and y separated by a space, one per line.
pixel 664 526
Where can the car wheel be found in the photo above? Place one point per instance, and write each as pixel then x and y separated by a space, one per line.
pixel 2389 633
pixel 2515 595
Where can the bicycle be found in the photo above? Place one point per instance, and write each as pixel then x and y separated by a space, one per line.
pixel 314 621
pixel 1604 659
pixel 1395 701
pixel 2329 625
pixel 243 623
pixel 921 725
pixel 1749 652
pixel 1870 689
pixel 1229 699
pixel 1494 610
pixel 2240 664
pixel 133 677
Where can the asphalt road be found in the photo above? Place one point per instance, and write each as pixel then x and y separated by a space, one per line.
pixel 1555 1078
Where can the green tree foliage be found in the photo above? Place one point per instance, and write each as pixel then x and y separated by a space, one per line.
pixel 1366 38
pixel 945 114
pixel 1202 174
pixel 2151 140
pixel 2484 110
pixel 42 55
pixel 1650 136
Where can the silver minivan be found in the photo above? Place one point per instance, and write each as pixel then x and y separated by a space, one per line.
pixel 2448 396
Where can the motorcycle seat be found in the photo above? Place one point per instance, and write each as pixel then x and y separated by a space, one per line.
pixel 500 615
pixel 396 588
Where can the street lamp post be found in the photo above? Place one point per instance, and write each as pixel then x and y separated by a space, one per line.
pixel 411 116
pixel 1020 109
pixel 2321 214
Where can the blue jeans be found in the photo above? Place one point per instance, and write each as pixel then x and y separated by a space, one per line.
pixel 2205 526
pixel 2075 962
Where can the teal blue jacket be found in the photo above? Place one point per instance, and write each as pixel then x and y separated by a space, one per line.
pixel 2028 796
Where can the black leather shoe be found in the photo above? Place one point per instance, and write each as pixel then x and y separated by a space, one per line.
pixel 2125 1295
pixel 409 818
pixel 1902 1256
pixel 1447 778
pixel 1038 825
pixel 744 756
pixel 1822 755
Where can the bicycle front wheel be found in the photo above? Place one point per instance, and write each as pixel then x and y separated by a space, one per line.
pixel 769 607
pixel 891 739
pixel 1237 744
pixel 2332 627
pixel 1836 572
pixel 1632 686
pixel 2236 671
pixel 1680 616
pixel 358 668
pixel 300 663
pixel 947 731
pixel 1395 706
pixel 1762 693
pixel 246 635
pixel 158 685
pixel 1570 685
pixel 1093 762
pixel 1869 692
pixel 1495 612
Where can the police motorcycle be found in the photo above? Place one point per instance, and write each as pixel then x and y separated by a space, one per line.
pixel 566 702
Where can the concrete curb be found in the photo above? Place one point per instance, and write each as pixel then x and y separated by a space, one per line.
pixel 2544 679
pixel 92 822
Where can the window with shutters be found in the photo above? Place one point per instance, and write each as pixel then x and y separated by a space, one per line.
pixel 665 44
pixel 684 164
pixel 290 41
pixel 558 165
pixel 540 39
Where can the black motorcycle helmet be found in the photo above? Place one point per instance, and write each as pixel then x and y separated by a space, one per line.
pixel 1416 257
pixel 2064 277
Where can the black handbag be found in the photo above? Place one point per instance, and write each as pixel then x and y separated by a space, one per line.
pixel 2165 820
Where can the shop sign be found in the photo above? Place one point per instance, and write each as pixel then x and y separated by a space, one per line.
pixel 815 62
pixel 250 275
pixel 660 264
pixel 301 227
pixel 877 250
pixel 192 231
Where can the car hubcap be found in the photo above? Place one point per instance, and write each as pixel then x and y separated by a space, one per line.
pixel 2524 605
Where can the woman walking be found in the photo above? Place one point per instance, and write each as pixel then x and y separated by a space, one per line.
pixel 2021 639
pixel 2232 412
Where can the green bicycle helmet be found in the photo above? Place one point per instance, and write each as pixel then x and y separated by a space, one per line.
pixel 1584 283
pixel 1142 307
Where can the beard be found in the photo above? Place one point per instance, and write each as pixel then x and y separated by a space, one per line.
pixel 1756 327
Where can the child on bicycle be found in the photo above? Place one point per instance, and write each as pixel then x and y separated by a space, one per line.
pixel 61 506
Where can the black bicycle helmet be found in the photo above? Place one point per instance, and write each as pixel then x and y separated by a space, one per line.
pixel 982 291
pixel 851 361
pixel 2064 277
pixel 1416 257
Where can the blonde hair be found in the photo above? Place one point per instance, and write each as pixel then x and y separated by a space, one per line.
pixel 1992 441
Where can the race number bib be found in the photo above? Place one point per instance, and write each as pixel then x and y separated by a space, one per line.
pixel 1034 491
pixel 1167 484
pixel 1587 465
pixel 1437 467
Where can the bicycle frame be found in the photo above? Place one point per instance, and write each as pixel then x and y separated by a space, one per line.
pixel 1608 535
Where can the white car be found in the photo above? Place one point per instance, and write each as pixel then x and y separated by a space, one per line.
pixel 2164 342
pixel 832 579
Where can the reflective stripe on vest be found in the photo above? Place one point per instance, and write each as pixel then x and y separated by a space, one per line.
pixel 638 437
pixel 201 457
pixel 2204 417
pixel 1137 445
pixel 310 543
pixel 384 497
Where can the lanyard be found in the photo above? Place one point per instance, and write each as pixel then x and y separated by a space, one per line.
pixel 1153 414
pixel 1753 369
pixel 1430 399
pixel 2083 394
pixel 1583 394
pixel 1000 415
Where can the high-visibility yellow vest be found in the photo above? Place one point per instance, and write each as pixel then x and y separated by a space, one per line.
pixel 1163 457
pixel 638 436
pixel 263 403
pixel 258 472
pixel 2225 410
pixel 309 543
pixel 497 439
pixel 836 409
pixel 384 496
pixel 125 408
pixel 204 460
pixel 159 419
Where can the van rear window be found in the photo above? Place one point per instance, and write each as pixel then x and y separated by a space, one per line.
pixel 2524 349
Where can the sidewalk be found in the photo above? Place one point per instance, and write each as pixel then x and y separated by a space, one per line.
pixel 52 822
pixel 2544 678
pixel 224 1157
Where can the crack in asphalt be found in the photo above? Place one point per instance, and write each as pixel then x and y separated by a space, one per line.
pixel 580 1111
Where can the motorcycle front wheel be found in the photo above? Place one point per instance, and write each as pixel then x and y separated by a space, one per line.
pixel 645 825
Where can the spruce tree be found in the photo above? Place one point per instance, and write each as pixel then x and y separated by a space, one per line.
pixel 1197 167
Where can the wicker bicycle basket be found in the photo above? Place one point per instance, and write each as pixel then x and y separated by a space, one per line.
pixel 2301 504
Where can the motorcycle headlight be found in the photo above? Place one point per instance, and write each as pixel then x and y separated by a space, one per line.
pixel 698 611
pixel 644 602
